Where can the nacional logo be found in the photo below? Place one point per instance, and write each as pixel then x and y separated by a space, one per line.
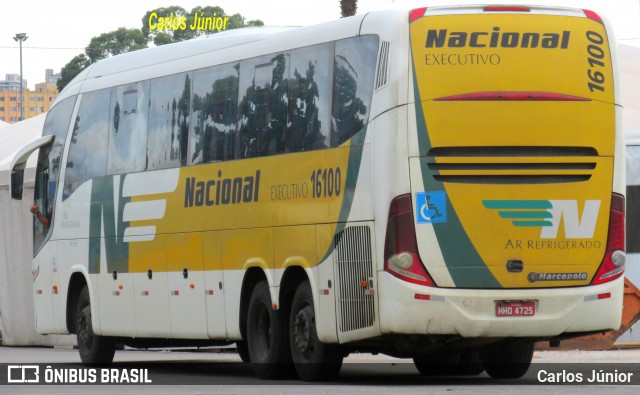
pixel 139 185
pixel 548 215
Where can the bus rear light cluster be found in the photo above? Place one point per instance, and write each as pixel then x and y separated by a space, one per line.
pixel 592 15
pixel 401 257
pixel 417 13
pixel 612 265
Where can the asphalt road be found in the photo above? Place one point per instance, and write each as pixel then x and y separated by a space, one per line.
pixel 174 372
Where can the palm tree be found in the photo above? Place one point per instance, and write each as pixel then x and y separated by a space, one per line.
pixel 348 7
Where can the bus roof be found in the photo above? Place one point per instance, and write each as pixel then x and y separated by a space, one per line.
pixel 239 39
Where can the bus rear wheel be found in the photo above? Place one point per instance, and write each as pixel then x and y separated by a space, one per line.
pixel 463 363
pixel 93 349
pixel 243 351
pixel 267 336
pixel 508 362
pixel 442 364
pixel 312 359
pixel 470 364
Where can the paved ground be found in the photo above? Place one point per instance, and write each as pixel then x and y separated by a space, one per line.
pixel 222 373
pixel 68 355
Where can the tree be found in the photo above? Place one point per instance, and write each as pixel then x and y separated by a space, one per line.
pixel 177 33
pixel 115 43
pixel 125 40
pixel 71 69
pixel 348 7
pixel 100 47
pixel 167 36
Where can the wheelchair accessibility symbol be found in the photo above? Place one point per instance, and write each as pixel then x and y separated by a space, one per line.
pixel 431 207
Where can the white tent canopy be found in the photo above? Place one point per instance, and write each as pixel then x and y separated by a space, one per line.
pixel 17 325
pixel 12 138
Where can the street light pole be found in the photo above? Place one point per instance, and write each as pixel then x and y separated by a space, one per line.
pixel 20 37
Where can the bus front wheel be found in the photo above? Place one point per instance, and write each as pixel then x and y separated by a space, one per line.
pixel 312 359
pixel 267 336
pixel 93 349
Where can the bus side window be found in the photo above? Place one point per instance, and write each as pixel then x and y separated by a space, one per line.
pixel 262 106
pixel 128 119
pixel 41 199
pixel 87 157
pixel 48 168
pixel 354 67
pixel 214 114
pixel 169 114
pixel 310 88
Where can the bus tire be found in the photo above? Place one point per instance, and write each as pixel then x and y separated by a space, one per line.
pixel 470 364
pixel 93 349
pixel 243 351
pixel 508 363
pixel 267 336
pixel 312 359
pixel 441 364
pixel 464 363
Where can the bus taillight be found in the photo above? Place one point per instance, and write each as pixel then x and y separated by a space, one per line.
pixel 417 14
pixel 401 257
pixel 612 265
pixel 592 15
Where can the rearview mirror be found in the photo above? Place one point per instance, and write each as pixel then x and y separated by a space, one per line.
pixel 19 163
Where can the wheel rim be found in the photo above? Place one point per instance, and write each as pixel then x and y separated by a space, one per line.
pixel 85 333
pixel 302 332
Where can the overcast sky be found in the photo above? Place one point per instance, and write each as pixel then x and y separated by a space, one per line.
pixel 60 29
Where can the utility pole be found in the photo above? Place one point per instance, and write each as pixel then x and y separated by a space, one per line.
pixel 20 37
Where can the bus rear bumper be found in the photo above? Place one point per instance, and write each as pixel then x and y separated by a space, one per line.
pixel 407 308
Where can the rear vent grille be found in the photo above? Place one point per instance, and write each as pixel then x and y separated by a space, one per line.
pixel 383 65
pixel 506 165
pixel 512 151
pixel 515 179
pixel 512 166
pixel 354 272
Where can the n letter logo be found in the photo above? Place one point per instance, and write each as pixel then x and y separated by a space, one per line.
pixel 574 226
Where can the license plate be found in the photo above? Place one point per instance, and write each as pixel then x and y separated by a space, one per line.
pixel 515 309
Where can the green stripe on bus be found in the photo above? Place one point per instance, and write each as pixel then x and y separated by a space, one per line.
pixel 517 204
pixel 465 265
pixel 102 216
pixel 353 169
pixel 524 214
pixel 532 223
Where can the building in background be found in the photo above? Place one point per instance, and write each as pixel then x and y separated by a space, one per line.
pixel 50 77
pixel 12 83
pixel 37 101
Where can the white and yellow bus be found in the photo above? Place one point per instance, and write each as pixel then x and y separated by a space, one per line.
pixel 445 184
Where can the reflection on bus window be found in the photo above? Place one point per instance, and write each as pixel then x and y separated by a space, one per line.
pixel 128 120
pixel 355 62
pixel 310 86
pixel 262 106
pixel 89 141
pixel 213 118
pixel 169 121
